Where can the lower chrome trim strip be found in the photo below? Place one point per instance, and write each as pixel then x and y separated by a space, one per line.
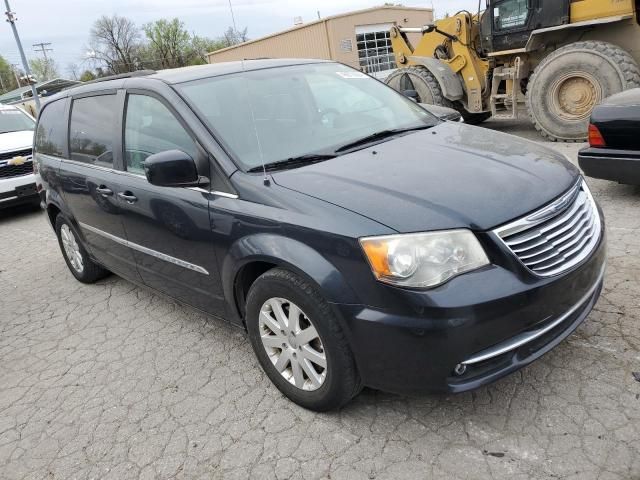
pixel 526 337
pixel 148 251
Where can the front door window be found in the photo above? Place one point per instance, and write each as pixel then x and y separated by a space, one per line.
pixel 150 128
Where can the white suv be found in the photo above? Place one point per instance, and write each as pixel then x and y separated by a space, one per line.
pixel 17 182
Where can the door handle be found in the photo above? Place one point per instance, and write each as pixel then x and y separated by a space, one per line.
pixel 104 191
pixel 128 197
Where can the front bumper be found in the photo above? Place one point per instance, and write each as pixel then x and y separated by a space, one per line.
pixel 492 322
pixel 18 190
pixel 621 166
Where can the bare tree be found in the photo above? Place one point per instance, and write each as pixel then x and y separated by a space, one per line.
pixel 115 42
pixel 73 70
pixel 231 36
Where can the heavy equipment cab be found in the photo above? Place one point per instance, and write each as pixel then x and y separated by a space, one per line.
pixel 508 24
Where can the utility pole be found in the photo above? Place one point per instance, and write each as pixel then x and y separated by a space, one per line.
pixel 42 49
pixel 11 18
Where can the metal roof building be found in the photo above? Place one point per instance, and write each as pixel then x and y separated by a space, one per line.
pixel 359 39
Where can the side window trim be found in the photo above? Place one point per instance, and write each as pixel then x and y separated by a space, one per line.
pixel 118 131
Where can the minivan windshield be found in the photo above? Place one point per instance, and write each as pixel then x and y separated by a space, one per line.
pixel 14 120
pixel 312 112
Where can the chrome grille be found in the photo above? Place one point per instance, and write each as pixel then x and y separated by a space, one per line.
pixel 557 237
pixel 8 171
pixel 16 153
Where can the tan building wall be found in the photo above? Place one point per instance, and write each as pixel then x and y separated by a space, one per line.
pixel 329 38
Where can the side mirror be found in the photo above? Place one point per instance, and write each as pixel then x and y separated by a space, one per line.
pixel 411 94
pixel 172 168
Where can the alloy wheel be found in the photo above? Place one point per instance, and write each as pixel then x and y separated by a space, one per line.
pixel 72 248
pixel 292 344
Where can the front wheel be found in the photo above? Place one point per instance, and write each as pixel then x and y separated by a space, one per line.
pixel 570 82
pixel 299 342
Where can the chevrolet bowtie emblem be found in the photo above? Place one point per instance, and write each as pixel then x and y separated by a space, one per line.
pixel 19 160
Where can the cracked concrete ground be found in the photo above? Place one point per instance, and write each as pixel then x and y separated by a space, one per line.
pixel 109 381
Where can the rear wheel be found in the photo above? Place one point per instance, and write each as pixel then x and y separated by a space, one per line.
pixel 428 89
pixel 75 255
pixel 299 342
pixel 571 81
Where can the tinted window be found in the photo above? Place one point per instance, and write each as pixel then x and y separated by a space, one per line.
pixel 51 133
pixel 150 128
pixel 511 14
pixel 91 132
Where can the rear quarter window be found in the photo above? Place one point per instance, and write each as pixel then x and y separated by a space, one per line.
pixel 51 132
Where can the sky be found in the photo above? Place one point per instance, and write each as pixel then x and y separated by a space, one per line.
pixel 66 23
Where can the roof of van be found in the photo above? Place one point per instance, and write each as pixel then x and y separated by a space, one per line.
pixel 185 74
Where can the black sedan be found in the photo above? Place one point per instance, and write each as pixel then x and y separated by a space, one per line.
pixel 614 140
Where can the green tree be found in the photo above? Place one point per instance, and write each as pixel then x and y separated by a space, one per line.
pixel 87 76
pixel 200 46
pixel 169 42
pixel 43 69
pixel 8 79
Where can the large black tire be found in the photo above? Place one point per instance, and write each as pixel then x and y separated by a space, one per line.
pixel 342 381
pixel 90 272
pixel 429 91
pixel 424 83
pixel 570 82
pixel 473 118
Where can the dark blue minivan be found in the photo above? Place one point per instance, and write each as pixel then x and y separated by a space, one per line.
pixel 359 240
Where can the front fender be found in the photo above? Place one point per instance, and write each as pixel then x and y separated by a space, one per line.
pixel 288 253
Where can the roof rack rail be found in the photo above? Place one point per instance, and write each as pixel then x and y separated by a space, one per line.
pixel 137 73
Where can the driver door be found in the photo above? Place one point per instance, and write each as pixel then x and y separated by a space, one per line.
pixel 168 227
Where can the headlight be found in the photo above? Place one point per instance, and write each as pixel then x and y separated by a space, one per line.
pixel 422 260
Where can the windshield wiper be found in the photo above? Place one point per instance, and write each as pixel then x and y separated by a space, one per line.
pixel 380 136
pixel 294 162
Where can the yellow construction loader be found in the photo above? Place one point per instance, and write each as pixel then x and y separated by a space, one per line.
pixel 560 57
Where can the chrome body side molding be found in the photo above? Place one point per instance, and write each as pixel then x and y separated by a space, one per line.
pixel 148 251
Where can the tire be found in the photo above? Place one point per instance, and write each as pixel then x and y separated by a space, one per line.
pixel 424 83
pixel 473 118
pixel 570 82
pixel 429 91
pixel 339 381
pixel 90 272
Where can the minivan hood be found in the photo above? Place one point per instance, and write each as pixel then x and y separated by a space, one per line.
pixel 450 176
pixel 16 140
